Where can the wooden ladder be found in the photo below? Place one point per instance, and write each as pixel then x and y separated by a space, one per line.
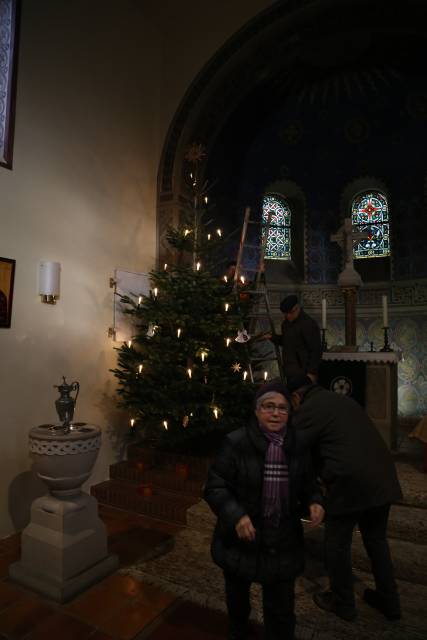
pixel 262 308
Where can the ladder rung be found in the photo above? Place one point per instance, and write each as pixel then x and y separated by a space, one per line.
pixel 254 222
pixel 263 359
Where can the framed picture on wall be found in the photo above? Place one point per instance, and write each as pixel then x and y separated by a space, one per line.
pixel 9 10
pixel 7 274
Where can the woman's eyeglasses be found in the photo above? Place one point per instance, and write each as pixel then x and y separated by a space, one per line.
pixel 270 407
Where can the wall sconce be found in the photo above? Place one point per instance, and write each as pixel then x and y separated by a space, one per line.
pixel 49 273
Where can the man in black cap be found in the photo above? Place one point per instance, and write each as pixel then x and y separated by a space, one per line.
pixel 360 483
pixel 300 341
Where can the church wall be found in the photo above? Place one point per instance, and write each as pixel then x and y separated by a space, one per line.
pixel 98 83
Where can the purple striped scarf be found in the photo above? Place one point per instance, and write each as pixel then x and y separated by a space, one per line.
pixel 276 476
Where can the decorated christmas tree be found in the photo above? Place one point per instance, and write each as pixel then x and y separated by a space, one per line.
pixel 184 377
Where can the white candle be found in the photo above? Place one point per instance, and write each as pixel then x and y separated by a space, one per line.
pixel 203 356
pixel 165 424
pixel 140 368
pixel 178 332
pixel 385 312
pixel 132 422
pixel 265 375
pixel 227 306
pixel 215 411
pixel 323 313
pixel 219 232
pixel 198 265
pixel 245 375
pixel 155 291
pixel 227 342
pixel 189 372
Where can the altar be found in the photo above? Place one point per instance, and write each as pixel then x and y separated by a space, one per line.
pixel 379 395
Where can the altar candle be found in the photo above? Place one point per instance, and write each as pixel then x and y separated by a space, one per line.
pixel 323 313
pixel 385 312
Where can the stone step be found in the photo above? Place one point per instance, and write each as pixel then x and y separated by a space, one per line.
pixel 163 505
pixel 198 465
pixel 180 479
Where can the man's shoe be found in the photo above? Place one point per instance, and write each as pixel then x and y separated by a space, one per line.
pixel 374 599
pixel 327 601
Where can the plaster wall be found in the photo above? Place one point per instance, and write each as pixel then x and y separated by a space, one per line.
pixel 98 83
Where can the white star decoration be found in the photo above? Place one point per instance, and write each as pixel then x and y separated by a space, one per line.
pixel 236 366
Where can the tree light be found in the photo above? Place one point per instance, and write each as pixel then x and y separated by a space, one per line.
pixel 165 424
pixel 198 265
pixel 215 412
pixel 227 306
pixel 203 355
pixel 140 368
pixel 190 373
pixel 209 236
pixel 129 343
pixel 245 375
pixel 225 279
pixel 186 232
pixel 178 332
pixel 242 279
pixel 132 422
pixel 165 266
pixel 227 341
pixel 206 199
pixel 219 232
pixel 265 375
pixel 155 291
pixel 139 299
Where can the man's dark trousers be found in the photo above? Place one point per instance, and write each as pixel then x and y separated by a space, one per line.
pixel 372 525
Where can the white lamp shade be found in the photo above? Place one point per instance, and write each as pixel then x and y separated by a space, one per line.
pixel 49 273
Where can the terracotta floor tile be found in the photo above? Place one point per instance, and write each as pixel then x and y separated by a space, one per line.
pixel 130 620
pixel 97 605
pixel 9 594
pixel 59 625
pixel 23 616
pixel 125 585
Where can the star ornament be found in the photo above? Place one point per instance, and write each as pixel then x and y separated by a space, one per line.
pixel 236 367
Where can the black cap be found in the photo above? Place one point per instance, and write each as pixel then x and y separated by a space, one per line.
pixel 299 382
pixel 288 303
pixel 274 386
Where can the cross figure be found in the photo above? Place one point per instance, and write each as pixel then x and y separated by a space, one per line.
pixel 345 237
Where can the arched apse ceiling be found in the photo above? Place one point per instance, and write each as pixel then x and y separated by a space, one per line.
pixel 313 52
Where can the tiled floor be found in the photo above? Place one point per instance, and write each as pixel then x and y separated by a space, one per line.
pixel 117 608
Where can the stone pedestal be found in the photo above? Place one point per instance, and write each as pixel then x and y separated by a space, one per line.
pixel 64 548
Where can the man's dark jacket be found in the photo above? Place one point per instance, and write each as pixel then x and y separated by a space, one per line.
pixel 234 489
pixel 349 453
pixel 301 345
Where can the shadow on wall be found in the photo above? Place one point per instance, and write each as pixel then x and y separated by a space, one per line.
pixel 117 421
pixel 23 489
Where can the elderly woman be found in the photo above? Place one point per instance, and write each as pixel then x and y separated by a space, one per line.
pixel 259 489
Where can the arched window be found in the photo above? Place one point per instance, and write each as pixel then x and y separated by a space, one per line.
pixel 279 234
pixel 369 215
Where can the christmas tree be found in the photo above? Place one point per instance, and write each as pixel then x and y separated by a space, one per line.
pixel 184 377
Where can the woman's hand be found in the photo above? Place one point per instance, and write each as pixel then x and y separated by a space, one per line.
pixel 245 529
pixel 317 514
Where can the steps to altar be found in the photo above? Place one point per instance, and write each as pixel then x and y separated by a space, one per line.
pixel 157 484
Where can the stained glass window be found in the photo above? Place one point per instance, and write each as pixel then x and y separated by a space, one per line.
pixel 369 215
pixel 279 234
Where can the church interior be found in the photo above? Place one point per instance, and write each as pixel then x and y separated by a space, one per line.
pixel 316 104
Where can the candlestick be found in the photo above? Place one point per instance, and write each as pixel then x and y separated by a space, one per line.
pixel 385 311
pixel 323 313
pixel 386 346
pixel 324 343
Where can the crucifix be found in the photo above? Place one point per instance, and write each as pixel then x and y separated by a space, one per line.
pixel 349 280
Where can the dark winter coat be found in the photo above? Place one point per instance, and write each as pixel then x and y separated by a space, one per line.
pixel 348 451
pixel 301 346
pixel 234 489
